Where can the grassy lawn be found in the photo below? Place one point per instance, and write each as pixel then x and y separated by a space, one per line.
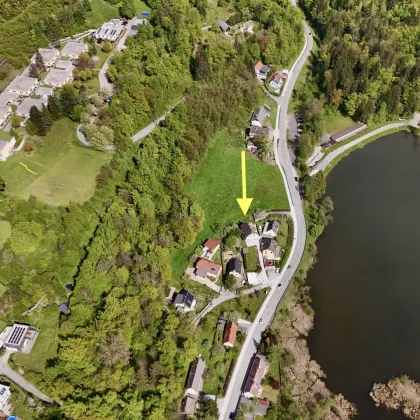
pixel 5 232
pixel 270 393
pixel 217 184
pixel 64 170
pixel 215 12
pixel 92 86
pixel 4 135
pixel 251 259
pixel 102 56
pixel 45 346
pixel 101 12
pixel 336 122
pixel 141 6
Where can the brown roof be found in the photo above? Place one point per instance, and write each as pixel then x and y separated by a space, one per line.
pixel 256 374
pixel 277 76
pixel 259 66
pixel 212 244
pixel 348 131
pixel 230 333
pixel 208 266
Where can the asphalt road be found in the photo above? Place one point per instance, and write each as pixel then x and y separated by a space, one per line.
pixel 268 308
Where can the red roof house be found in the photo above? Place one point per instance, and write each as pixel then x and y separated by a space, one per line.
pixel 230 334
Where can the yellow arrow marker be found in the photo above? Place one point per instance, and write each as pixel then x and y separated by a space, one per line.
pixel 244 202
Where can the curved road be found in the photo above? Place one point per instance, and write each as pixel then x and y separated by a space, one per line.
pixel 229 403
pixel 323 163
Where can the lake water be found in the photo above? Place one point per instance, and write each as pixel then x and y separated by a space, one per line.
pixel 366 284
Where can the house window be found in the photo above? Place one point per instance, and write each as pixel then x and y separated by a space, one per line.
pixel 213 269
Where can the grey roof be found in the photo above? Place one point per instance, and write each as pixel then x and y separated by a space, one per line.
pixel 189 405
pixel 3 144
pixel 17 336
pixel 259 115
pixel 184 297
pixel 27 104
pixel 234 264
pixel 195 376
pixel 201 273
pixel 246 230
pixel 48 54
pixel 74 48
pixel 44 91
pixel 254 130
pixel 273 225
pixel 223 25
pixel 64 64
pixel 57 77
pixel 64 308
pixel 4 110
pixel 22 83
pixel 349 131
pixel 7 97
pixel 265 69
pixel 270 244
pixel 248 24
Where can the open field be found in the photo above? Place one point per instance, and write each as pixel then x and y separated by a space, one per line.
pixel 337 122
pixel 101 12
pixel 5 231
pixel 217 184
pixel 64 170
pixel 45 346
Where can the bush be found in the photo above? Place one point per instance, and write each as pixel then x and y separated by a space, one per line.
pixel 106 47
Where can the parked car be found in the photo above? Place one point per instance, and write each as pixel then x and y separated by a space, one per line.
pixel 278 286
pixel 261 320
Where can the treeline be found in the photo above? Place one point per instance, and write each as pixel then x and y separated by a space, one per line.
pixel 369 57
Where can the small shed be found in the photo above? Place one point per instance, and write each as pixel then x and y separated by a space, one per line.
pixel 64 308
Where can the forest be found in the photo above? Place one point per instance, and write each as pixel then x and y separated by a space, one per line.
pixel 123 353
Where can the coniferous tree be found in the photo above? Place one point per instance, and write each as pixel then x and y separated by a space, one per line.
pixel 68 100
pixel 33 71
pixel 202 67
pixel 39 63
pixel 54 107
pixel 36 124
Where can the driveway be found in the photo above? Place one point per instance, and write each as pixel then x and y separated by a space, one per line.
pixel 205 282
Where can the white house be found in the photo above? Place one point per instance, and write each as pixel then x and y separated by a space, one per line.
pixel 258 117
pixel 247 27
pixel 109 31
pixel 6 148
pixel 271 228
pixel 57 78
pixel 23 85
pixel 248 232
pixel 4 395
pixel 5 112
pixel 8 98
pixel 44 92
pixel 24 108
pixel 64 65
pixel 224 27
pixel 49 56
pixel 73 49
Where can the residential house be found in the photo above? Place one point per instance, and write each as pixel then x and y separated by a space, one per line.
pixel 58 78
pixel 43 92
pixel 258 117
pixel 8 98
pixel 256 130
pixel 6 148
pixel 247 27
pixel 250 146
pixel 229 336
pixel 49 56
pixel 19 336
pixel 64 65
pixel 5 112
pixel 135 25
pixel 185 301
pixel 259 369
pixel 259 409
pixel 224 27
pixel 210 247
pixel 207 268
pixel 261 70
pixel 271 228
pixel 270 249
pixel 195 378
pixel 23 85
pixel 234 267
pixel 277 79
pixel 23 109
pixel 189 405
pixel 73 49
pixel 248 232
pixel 109 31
pixel 4 395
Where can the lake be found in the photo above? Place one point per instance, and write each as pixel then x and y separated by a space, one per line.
pixel 366 284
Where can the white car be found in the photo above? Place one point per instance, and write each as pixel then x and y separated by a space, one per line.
pixel 261 320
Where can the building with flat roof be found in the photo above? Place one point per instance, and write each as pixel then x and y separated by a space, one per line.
pixel 5 113
pixel 6 149
pixel 8 98
pixel 109 31
pixel 64 65
pixel 23 85
pixel 73 49
pixel 4 395
pixel 57 78
pixel 44 92
pixel 24 108
pixel 49 56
